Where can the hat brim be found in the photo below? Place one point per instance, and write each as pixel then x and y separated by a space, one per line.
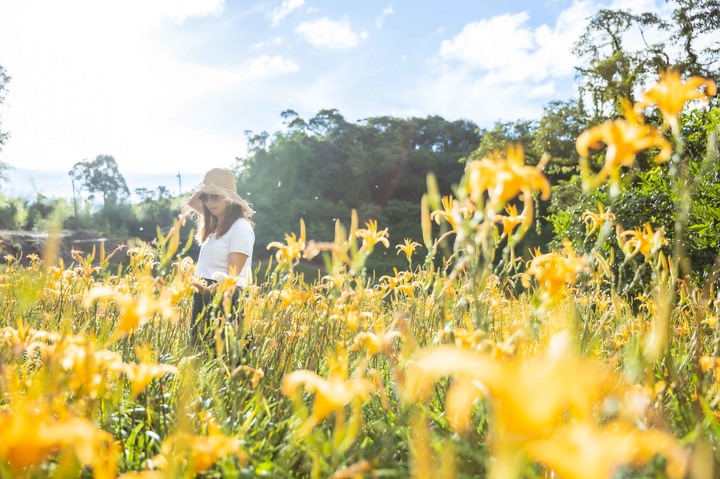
pixel 194 204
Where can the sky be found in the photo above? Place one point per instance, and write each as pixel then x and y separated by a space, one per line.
pixel 169 86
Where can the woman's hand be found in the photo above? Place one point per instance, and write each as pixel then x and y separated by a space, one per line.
pixel 201 287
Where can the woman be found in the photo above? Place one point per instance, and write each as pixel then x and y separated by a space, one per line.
pixel 226 237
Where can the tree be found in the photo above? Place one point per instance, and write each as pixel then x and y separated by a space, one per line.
pixel 610 70
pixel 100 175
pixel 4 80
pixel 697 22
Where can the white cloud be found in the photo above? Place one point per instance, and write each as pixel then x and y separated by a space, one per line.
pixel 330 33
pixel 93 79
pixel 284 9
pixel 504 68
pixel 380 19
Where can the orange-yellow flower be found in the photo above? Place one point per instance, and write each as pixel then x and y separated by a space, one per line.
pixel 594 221
pixel 641 240
pixel 504 178
pixel 201 451
pixel 373 343
pixel 624 138
pixel 290 252
pixel 371 236
pixel 141 374
pixel 331 394
pixel 32 433
pixel 408 248
pixel 544 409
pixel 671 93
pixel 512 220
pixel 553 271
pixel 449 213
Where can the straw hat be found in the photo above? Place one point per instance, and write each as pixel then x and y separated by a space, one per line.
pixel 218 181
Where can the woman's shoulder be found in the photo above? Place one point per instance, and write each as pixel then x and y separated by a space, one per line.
pixel 242 224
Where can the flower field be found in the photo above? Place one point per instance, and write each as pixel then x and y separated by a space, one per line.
pixel 474 361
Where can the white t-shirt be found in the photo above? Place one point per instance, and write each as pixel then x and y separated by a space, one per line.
pixel 213 260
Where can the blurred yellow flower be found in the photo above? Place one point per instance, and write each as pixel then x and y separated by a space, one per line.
pixel 374 343
pixel 624 138
pixel 449 213
pixel 141 374
pixel 331 394
pixel 200 452
pixel 671 93
pixel 545 409
pixel 32 433
pixel 504 178
pixel 641 240
pixel 593 221
pixel 371 236
pixel 553 271
pixel 134 310
pixel 510 221
pixel 581 451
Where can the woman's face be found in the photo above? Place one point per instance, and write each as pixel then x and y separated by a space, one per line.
pixel 216 204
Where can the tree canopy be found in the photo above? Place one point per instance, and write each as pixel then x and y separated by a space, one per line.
pixel 100 175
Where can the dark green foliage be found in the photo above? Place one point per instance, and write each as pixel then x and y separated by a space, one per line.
pixel 321 169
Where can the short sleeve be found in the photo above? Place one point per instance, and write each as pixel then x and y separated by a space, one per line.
pixel 242 237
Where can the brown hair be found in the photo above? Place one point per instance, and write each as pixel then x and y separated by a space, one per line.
pixel 208 222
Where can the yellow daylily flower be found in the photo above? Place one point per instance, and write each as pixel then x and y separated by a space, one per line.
pixel 201 451
pixel 331 394
pixel 512 220
pixel 504 178
pixel 671 93
pixel 641 240
pixel 553 271
pixel 544 409
pixel 290 253
pixel 373 343
pixel 580 451
pixel 594 221
pixel 141 374
pixel 448 213
pixel 371 236
pixel 32 433
pixel 408 248
pixel 624 138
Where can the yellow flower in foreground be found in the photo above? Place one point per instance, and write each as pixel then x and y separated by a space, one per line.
pixel 374 343
pixel 141 374
pixel 624 138
pixel 200 451
pixel 594 221
pixel 553 271
pixel 641 240
pixel 331 394
pixel 134 311
pixel 545 409
pixel 504 178
pixel 671 93
pixel 568 453
pixel 371 236
pixel 31 434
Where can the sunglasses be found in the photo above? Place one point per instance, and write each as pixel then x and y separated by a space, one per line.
pixel 205 198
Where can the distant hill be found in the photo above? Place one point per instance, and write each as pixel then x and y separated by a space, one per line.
pixel 27 184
